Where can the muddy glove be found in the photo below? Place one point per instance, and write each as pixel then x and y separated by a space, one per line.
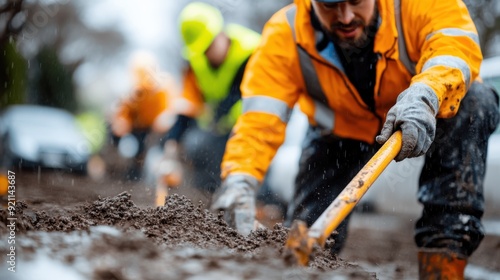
pixel 415 114
pixel 236 198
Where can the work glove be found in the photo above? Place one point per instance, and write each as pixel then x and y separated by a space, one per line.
pixel 164 121
pixel 236 198
pixel 415 114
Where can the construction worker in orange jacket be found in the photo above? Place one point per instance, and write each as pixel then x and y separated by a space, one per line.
pixel 148 108
pixel 360 70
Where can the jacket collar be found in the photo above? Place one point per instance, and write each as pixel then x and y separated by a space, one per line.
pixel 385 39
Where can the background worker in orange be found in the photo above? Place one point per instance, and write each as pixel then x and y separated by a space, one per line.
pixel 146 109
pixel 359 69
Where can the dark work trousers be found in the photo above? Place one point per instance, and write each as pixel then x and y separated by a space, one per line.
pixel 450 185
pixel 203 152
pixel 326 166
pixel 451 182
pixel 134 172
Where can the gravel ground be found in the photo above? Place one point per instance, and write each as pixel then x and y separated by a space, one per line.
pixel 73 227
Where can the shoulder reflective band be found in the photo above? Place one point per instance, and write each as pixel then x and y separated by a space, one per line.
pixel 403 52
pixel 455 32
pixel 313 87
pixel 323 115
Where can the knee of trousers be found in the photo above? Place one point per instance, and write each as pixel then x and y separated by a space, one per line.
pixel 480 107
pixel 441 228
pixel 455 164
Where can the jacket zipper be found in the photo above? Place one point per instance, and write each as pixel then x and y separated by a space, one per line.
pixel 346 83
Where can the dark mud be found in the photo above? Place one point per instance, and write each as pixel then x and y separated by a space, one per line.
pixel 74 227
pixel 113 238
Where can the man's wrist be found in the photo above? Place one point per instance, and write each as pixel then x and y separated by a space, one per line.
pixel 423 93
pixel 242 179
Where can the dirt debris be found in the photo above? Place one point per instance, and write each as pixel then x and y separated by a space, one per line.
pixel 112 238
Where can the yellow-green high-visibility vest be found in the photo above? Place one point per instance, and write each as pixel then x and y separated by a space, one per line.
pixel 215 84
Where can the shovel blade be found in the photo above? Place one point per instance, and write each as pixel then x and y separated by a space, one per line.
pixel 299 245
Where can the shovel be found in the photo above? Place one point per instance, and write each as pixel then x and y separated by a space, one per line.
pixel 301 240
pixel 169 173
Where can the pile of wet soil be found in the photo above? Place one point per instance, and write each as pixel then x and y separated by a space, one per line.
pixel 112 238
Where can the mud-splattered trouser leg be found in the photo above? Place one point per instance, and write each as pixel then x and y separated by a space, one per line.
pixel 326 166
pixel 451 183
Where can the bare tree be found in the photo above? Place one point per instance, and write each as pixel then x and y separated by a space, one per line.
pixel 60 26
pixel 9 11
pixel 53 36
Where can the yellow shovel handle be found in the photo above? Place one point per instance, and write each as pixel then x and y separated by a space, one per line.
pixel 351 195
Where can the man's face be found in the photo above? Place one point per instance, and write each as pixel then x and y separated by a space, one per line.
pixel 217 51
pixel 347 22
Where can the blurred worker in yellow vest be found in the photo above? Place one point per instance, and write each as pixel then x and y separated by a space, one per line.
pixel 217 54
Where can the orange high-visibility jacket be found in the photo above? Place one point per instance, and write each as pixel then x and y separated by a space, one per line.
pixel 439 44
pixel 141 108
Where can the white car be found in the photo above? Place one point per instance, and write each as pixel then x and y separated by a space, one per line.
pixel 32 136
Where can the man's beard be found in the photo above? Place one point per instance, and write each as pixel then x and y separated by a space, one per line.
pixel 369 31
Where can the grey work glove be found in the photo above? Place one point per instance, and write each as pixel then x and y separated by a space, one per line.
pixel 236 198
pixel 415 114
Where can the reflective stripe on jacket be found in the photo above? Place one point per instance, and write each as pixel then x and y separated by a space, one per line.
pixel 204 85
pixel 441 44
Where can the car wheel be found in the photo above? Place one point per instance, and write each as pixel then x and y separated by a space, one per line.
pixel 7 160
pixel 80 169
